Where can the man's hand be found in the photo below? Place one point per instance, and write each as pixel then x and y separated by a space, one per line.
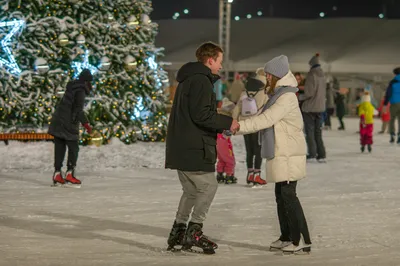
pixel 235 126
pixel 88 128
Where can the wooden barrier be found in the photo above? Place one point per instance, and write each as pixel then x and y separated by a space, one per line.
pixel 24 136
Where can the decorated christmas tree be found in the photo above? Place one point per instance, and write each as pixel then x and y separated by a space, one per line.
pixel 46 43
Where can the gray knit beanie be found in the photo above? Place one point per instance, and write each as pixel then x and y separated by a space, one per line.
pixel 278 66
pixel 314 60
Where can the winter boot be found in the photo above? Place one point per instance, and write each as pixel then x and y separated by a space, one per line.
pixel 258 180
pixel 250 177
pixel 362 148
pixel 369 148
pixel 230 179
pixel 176 236
pixel 220 178
pixel 194 238
pixel 70 177
pixel 392 138
pixel 58 179
pixel 279 244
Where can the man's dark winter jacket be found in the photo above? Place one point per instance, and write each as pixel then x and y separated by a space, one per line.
pixel 194 121
pixel 69 112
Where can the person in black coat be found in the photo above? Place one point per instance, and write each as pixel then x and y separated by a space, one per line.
pixel 64 126
pixel 191 145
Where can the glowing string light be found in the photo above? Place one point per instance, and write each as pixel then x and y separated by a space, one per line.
pixel 11 64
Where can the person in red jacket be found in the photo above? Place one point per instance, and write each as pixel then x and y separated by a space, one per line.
pixel 384 113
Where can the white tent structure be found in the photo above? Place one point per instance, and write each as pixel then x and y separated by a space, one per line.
pixel 362 49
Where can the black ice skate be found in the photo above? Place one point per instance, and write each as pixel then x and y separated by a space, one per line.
pixel 369 148
pixel 176 236
pixel 220 178
pixel 398 138
pixel 391 138
pixel 362 148
pixel 230 180
pixel 194 238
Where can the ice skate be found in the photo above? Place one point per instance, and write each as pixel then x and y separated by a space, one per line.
pixel 362 148
pixel 321 160
pixel 258 181
pixel 176 237
pixel 369 148
pixel 71 180
pixel 297 250
pixel 398 138
pixel 279 244
pixel 391 138
pixel 221 178
pixel 194 238
pixel 58 180
pixel 230 179
pixel 250 177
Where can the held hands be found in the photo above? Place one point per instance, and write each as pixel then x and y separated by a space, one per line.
pixel 235 127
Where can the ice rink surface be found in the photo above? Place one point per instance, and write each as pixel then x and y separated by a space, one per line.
pixel 123 213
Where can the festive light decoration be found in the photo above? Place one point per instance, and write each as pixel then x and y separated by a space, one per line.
pixel 79 66
pixel 11 65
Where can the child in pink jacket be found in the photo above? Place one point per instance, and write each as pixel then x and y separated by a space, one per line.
pixel 226 158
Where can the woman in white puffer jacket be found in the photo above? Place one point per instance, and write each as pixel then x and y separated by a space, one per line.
pixel 283 145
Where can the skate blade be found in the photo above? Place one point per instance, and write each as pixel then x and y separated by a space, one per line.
pixel 198 250
pixel 57 185
pixel 70 185
pixel 303 251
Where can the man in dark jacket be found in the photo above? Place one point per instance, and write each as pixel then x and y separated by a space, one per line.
pixel 65 126
pixel 191 145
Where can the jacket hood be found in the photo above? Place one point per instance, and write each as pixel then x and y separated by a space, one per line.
pixel 85 75
pixel 317 70
pixel 289 80
pixel 193 68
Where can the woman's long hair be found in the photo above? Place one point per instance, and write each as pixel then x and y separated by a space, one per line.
pixel 270 86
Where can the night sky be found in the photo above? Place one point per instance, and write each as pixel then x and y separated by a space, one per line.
pixel 300 9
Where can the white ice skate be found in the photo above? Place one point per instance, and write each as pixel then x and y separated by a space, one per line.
pixel 298 250
pixel 278 245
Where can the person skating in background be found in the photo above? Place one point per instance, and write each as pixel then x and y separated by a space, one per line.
pixel 191 146
pixel 250 104
pixel 226 158
pixel 330 104
pixel 340 109
pixel 236 88
pixel 300 81
pixel 283 145
pixel 313 107
pixel 393 97
pixel 64 126
pixel 366 113
pixel 384 114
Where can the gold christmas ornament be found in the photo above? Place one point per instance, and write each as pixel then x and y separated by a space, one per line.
pixel 96 139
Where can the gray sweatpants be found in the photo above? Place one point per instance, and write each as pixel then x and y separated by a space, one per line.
pixel 199 189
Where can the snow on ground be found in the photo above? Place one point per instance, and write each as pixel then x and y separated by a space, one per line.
pixel 123 213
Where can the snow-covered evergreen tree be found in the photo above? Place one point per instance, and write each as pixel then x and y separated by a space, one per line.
pixel 58 38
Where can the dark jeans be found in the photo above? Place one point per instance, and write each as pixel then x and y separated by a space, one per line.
pixel 315 144
pixel 253 151
pixel 292 221
pixel 60 147
pixel 341 122
pixel 394 114
pixel 329 113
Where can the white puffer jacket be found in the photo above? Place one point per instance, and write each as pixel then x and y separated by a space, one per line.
pixel 289 163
